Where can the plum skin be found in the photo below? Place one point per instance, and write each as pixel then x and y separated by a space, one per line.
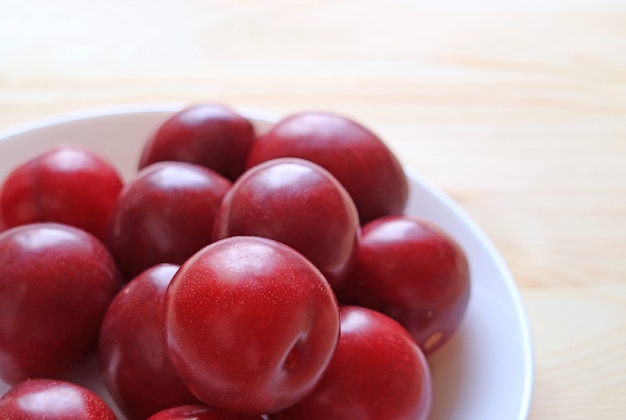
pixel 251 325
pixel 299 203
pixel 164 215
pixel 131 347
pixel 414 272
pixel 377 372
pixel 67 184
pixel 56 283
pixel 357 157
pixel 210 135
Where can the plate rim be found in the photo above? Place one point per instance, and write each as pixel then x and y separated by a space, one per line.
pixel 507 276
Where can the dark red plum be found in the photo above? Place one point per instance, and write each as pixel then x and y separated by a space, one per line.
pixel 56 283
pixel 296 202
pixel 67 184
pixel 377 372
pixel 356 156
pixel 251 325
pixel 211 135
pixel 412 271
pixel 164 215
pixel 132 355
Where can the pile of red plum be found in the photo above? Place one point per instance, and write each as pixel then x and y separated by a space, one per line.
pixel 237 275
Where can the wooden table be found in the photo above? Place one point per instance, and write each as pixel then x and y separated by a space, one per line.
pixel 517 109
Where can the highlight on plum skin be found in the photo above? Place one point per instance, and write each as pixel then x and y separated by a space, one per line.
pixel 53 399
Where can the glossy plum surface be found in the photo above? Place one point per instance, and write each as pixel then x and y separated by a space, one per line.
pixel 133 360
pixel 296 202
pixel 357 157
pixel 211 135
pixel 56 283
pixel 198 412
pixel 67 184
pixel 250 325
pixel 377 372
pixel 164 215
pixel 48 399
pixel 415 273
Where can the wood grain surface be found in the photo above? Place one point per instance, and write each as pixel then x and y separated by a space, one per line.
pixel 515 108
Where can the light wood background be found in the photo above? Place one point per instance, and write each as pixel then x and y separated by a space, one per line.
pixel 516 108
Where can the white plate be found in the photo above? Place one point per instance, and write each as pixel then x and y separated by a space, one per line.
pixel 484 372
